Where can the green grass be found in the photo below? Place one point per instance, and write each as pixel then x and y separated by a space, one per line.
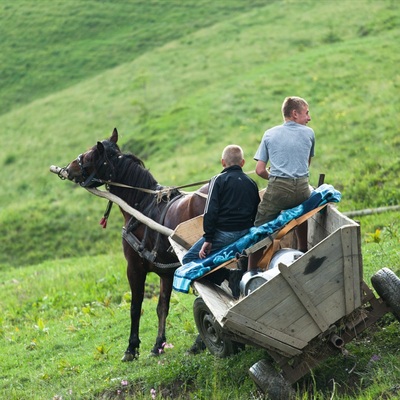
pixel 211 95
pixel 64 328
pixel 179 80
pixel 48 47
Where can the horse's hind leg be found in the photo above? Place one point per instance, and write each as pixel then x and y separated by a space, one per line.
pixel 136 277
pixel 162 313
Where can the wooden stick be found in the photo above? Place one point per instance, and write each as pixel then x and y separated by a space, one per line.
pixel 137 214
pixel 370 211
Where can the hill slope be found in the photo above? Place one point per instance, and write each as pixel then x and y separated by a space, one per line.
pixel 178 103
pixel 46 48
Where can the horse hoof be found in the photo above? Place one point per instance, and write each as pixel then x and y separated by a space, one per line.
pixel 129 357
pixel 157 352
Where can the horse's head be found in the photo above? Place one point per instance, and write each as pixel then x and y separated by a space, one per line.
pixel 95 167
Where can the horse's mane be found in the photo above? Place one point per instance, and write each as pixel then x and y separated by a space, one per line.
pixel 134 158
pixel 131 171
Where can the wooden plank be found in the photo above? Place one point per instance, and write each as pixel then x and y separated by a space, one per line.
pixel 352 283
pixel 340 219
pixel 325 287
pixel 358 265
pixel 185 235
pixel 348 273
pixel 258 339
pixel 316 229
pixel 288 313
pixel 257 336
pixel 305 329
pixel 263 299
pixel 242 320
pixel 216 299
pixel 191 230
pixel 179 250
pixel 303 297
pixel 325 223
pixel 262 243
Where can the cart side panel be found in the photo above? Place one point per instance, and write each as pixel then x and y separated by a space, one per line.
pixel 316 290
pixel 324 223
pixel 185 235
pixel 216 299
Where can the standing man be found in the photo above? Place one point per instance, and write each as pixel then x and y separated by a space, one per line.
pixel 288 148
pixel 230 208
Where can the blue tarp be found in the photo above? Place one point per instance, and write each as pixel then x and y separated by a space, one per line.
pixel 185 274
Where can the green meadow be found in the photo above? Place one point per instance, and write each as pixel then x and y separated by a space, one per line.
pixel 180 80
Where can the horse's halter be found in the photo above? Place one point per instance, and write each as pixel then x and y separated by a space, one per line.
pixel 90 180
pixel 87 179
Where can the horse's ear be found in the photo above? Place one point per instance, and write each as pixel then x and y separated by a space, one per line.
pixel 100 147
pixel 114 136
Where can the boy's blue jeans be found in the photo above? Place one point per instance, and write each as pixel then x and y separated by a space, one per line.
pixel 220 240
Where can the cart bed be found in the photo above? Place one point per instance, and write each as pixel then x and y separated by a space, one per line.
pixel 303 300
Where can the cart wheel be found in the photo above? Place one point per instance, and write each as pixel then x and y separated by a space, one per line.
pixel 387 285
pixel 270 381
pixel 211 332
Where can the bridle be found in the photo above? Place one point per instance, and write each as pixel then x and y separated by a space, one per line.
pixel 87 179
pixel 90 180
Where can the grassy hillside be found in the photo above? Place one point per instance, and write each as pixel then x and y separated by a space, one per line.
pixel 179 104
pixel 45 49
pixel 180 80
pixel 64 327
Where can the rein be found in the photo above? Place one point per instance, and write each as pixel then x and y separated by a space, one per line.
pixel 166 190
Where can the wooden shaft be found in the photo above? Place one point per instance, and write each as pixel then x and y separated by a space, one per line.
pixel 125 206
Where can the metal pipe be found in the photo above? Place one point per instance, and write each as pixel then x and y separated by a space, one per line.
pixel 337 341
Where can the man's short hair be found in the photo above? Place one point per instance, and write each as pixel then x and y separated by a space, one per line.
pixel 232 154
pixel 292 103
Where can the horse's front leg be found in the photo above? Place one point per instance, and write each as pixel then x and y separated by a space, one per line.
pixel 162 313
pixel 136 277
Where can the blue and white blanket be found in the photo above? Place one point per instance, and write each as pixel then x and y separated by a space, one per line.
pixel 185 274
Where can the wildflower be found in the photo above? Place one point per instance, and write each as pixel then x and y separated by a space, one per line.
pixel 375 357
pixel 153 393
pixel 165 345
pixel 124 382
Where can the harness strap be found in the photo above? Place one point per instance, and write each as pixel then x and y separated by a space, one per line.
pixel 136 245
pixel 139 246
pixel 103 221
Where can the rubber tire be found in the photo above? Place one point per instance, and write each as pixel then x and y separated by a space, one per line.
pixel 387 285
pixel 211 331
pixel 271 382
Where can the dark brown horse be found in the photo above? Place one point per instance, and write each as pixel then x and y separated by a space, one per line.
pixel 145 250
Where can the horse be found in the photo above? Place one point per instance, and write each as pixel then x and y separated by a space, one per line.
pixel 145 250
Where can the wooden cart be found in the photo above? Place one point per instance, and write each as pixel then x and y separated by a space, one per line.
pixel 305 312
